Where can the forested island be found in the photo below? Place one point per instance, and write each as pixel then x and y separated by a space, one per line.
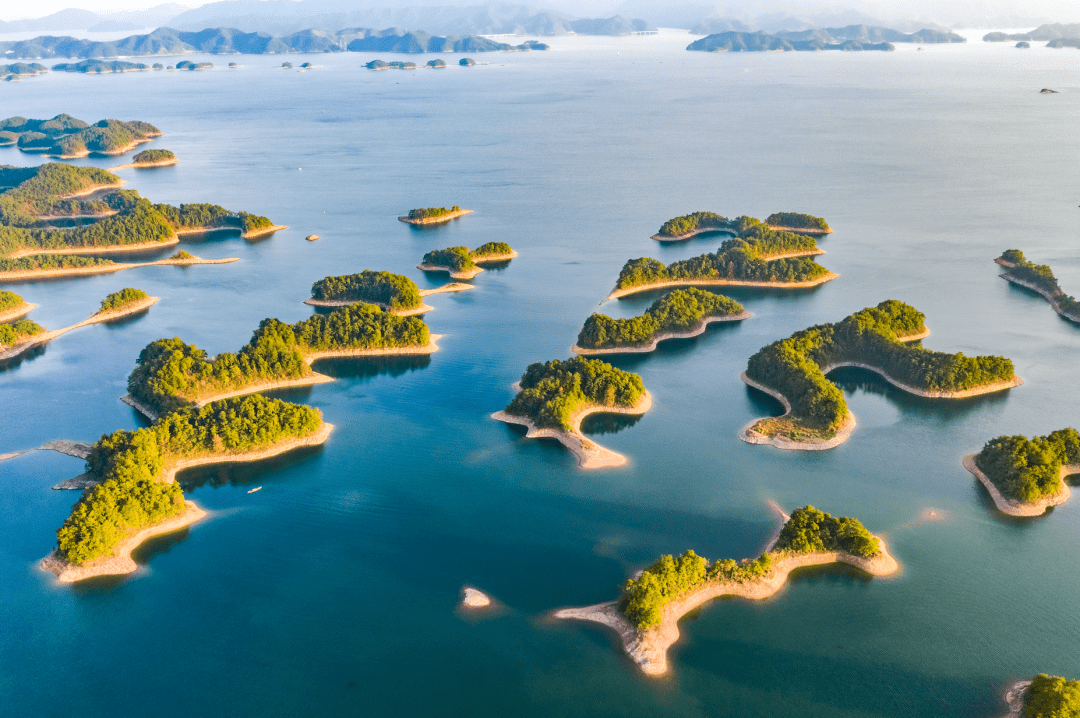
pixel 724 38
pixel 395 293
pixel 189 65
pixel 151 158
pixel 733 41
pixel 681 314
pixel 877 338
pixel 760 257
pixel 554 397
pixel 433 215
pixel 12 306
pixel 1038 278
pixel 464 264
pixel 646 617
pixel 137 497
pixel 67 137
pixel 171 375
pixel 99 67
pixel 1044 696
pixel 1025 476
pixel 23 69
pixel 689 225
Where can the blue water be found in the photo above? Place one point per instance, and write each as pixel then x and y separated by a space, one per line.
pixel 334 590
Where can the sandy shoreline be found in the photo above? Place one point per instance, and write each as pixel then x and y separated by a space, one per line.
pixel 454 274
pixel 434 220
pixel 133 308
pixel 1012 507
pixel 92 189
pixel 264 231
pixel 693 233
pixel 930 394
pixel 16 312
pixel 616 293
pixel 1014 698
pixel 106 268
pixel 141 165
pixel 110 249
pixel 412 311
pixel 448 288
pixel 1052 298
pixel 750 436
pixel 651 346
pixel 319 437
pixel 590 455
pixel 813 232
pixel 110 153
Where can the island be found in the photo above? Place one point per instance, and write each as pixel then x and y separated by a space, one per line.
pixel 433 215
pixel 647 615
pixel 136 495
pixel 796 222
pixel 1043 696
pixel 285 66
pixel 235 65
pixel 150 158
pixel 467 62
pixel 760 257
pixel 474 598
pixel 554 397
pixel 171 375
pixel 463 264
pixel 1022 45
pixel 1038 278
pixel 12 306
pixel 1025 477
pixel 380 65
pixel 395 293
pixel 22 335
pixel 681 314
pixel 436 64
pixel 98 67
pixel 681 228
pixel 189 65
pixel 23 69
pixel 879 339
pixel 67 137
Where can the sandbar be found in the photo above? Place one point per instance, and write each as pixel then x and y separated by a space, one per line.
pixel 434 220
pixel 16 312
pixel 133 308
pixel 651 346
pixel 142 165
pixel 616 293
pixel 448 288
pixel 1014 507
pixel 590 455
pixel 474 598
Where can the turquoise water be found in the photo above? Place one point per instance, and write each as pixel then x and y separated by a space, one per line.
pixel 334 590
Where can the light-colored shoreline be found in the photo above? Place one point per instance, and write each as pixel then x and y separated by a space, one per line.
pixel 648 649
pixel 693 233
pixel 15 312
pixel 617 293
pixel 651 346
pixel 590 455
pixel 434 220
pixel 1014 698
pixel 454 274
pixel 412 311
pixel 493 258
pixel 133 308
pixel 316 439
pixel 264 231
pixel 106 268
pixel 1052 298
pixel 448 289
pixel 110 249
pixel 927 393
pixel 63 446
pixel 750 436
pixel 92 189
pixel 109 153
pixel 813 232
pixel 143 165
pixel 1012 507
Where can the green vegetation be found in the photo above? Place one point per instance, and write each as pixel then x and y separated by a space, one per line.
pixel 490 249
pixel 189 65
pixel 49 262
pixel 799 221
pixel 130 465
pixel 432 212
pixel 98 67
pixel 1041 276
pixel 16 332
pixel 209 216
pixel 152 156
pixel 37 191
pixel 394 291
pixel 182 255
pixel 702 221
pixel 23 68
pixel 119 300
pixel 1028 469
pixel 808 531
pixel 551 393
pixel 679 311
pixel 1051 697
pixel 66 135
pixel 380 65
pixel 466 62
pixel 872 336
pixel 171 375
pixel 436 63
pixel 9 300
pixel 457 259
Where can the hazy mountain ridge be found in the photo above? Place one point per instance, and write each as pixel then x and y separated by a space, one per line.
pixel 1049 32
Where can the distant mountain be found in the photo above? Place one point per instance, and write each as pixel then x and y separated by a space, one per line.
pixel 764 42
pixel 713 25
pixel 1054 31
pixel 76 19
pixel 869 34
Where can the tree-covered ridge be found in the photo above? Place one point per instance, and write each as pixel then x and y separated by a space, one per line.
pixel 457 259
pixel 48 262
pixel 97 67
pixel 16 332
pixel 766 242
pixel 22 68
pixel 490 249
pixel 679 311
pixel 702 221
pixel 66 135
pixel 119 300
pixel 797 220
pixel 1028 469
pixel 808 531
pixel 207 216
pixel 130 465
pixel 9 300
pixel 551 393
pixel 170 374
pixel 1051 697
pixel 392 290
pixel 151 156
pixel 1041 276
pixel 396 65
pixel 792 366
pixel 432 212
pixel 36 191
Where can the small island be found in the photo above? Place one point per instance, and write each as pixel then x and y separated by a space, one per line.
pixel 395 293
pixel 1043 696
pixel 647 616
pixel 436 64
pixel 879 339
pixel 22 69
pixel 796 222
pixel 759 257
pixel 98 67
pixel 463 264
pixel 136 497
pixel 67 137
pixel 1023 45
pixel 554 397
pixel 397 65
pixel 474 598
pixel 1025 477
pixel 433 215
pixel 696 223
pixel 1038 278
pixel 189 65
pixel 681 314
pixel 150 158
pixel 12 306
pixel 467 62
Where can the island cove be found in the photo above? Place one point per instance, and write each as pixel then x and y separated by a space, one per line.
pixel 1026 477
pixel 879 339
pixel 761 257
pixel 553 398
pixel 135 495
pixel 691 225
pixel 647 615
pixel 433 215
pixel 1038 278
pixel 461 263
pixel 395 293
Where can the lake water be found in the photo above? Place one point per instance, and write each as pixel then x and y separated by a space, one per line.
pixel 334 590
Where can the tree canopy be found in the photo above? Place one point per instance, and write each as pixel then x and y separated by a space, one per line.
pixel 151 156
pixel 1051 697
pixel 551 393
pixel 9 300
pixel 1028 469
pixel 429 212
pixel 119 300
pixel 1041 276
pixel 679 311
pixel 795 219
pixel 457 259
pixel 15 332
pixel 810 531
pixel 395 291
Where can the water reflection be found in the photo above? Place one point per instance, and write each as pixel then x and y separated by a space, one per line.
pixel 249 473
pixel 368 367
pixel 597 424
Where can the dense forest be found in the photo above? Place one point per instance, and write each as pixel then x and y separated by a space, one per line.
pixel 45 262
pixel 392 290
pixel 792 366
pixel 551 393
pixel 1041 276
pixel 66 135
pixel 15 332
pixel 1028 469
pixel 170 374
pixel 490 249
pixel 9 300
pixel 766 242
pixel 432 212
pixel 795 219
pixel 119 300
pixel 129 465
pixel 679 311
pixel 1051 697
pixel 151 156
pixel 36 190
pixel 808 531
pixel 209 216
pixel 457 259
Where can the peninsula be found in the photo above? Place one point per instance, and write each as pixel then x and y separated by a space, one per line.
pixel 647 616
pixel 691 225
pixel 67 137
pixel 554 397
pixel 395 293
pixel 681 314
pixel 1038 278
pixel 463 264
pixel 878 339
pixel 12 306
pixel 136 495
pixel 150 158
pixel 171 375
pixel 433 215
pixel 1043 697
pixel 760 257
pixel 1025 476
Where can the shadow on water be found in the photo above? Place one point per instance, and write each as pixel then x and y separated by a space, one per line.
pixel 126 319
pixel 597 424
pixel 244 474
pixel 368 367
pixel 143 554
pixel 986 502
pixel 850 379
pixel 764 404
pixel 495 266
pixel 29 355
pixel 670 348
